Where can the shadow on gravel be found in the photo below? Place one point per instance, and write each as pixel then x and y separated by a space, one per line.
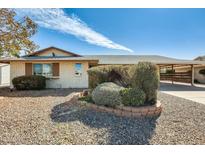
pixel 38 93
pixel 121 130
pixel 179 87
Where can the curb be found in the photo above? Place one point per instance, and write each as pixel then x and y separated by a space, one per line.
pixel 142 111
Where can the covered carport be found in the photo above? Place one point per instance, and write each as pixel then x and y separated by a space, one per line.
pixel 170 73
pixel 179 71
pixel 179 80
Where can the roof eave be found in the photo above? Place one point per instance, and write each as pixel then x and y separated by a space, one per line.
pixel 43 50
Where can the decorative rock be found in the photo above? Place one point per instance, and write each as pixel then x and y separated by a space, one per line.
pixel 144 109
pixel 107 109
pixel 93 106
pixel 128 114
pixel 85 92
pixel 136 109
pixel 127 108
pixel 101 108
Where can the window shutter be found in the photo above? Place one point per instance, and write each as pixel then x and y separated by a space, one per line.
pixel 55 69
pixel 28 68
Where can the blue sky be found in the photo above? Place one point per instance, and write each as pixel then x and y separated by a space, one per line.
pixel 178 33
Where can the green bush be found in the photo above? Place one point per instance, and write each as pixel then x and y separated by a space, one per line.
pixel 107 94
pixel 97 75
pixel 132 96
pixel 119 74
pixel 170 71
pixel 87 98
pixel 32 82
pixel 146 77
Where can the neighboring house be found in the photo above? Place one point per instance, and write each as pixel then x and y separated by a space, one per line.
pixel 200 58
pixel 4 74
pixel 65 69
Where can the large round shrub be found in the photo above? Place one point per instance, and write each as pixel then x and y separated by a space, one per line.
pixel 132 97
pixel 32 82
pixel 146 77
pixel 107 94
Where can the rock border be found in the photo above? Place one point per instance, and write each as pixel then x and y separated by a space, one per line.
pixel 142 111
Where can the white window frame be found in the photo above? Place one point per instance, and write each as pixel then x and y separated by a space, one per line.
pixel 78 72
pixel 42 68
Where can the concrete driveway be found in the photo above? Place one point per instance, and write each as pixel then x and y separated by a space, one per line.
pixel 194 93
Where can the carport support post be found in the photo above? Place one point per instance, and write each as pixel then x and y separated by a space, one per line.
pixel 192 75
pixel 172 73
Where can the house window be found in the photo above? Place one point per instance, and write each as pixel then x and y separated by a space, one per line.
pixel 78 69
pixel 42 69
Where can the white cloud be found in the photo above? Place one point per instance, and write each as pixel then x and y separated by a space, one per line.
pixel 57 19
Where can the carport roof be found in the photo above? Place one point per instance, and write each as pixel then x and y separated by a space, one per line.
pixel 134 59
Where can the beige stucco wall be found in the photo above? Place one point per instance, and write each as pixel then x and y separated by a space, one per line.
pixel 67 77
pixel 16 69
pixel 56 52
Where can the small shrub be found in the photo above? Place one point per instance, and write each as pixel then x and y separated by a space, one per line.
pixel 85 92
pixel 107 94
pixel 87 98
pixel 32 82
pixel 202 72
pixel 146 77
pixel 132 96
pixel 170 71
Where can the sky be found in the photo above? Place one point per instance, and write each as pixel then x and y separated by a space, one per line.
pixel 177 33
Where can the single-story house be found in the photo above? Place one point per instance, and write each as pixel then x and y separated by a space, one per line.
pixel 65 69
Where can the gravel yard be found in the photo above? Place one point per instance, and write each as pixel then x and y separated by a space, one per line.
pixel 44 117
